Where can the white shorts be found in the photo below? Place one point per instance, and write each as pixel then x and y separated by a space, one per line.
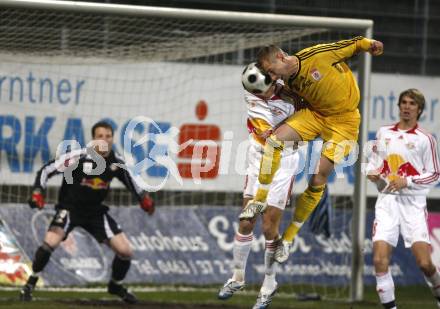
pixel 281 186
pixel 394 215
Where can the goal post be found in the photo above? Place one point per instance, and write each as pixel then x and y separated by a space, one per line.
pixel 168 42
pixel 360 189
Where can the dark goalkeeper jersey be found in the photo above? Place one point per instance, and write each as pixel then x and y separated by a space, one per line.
pixel 86 180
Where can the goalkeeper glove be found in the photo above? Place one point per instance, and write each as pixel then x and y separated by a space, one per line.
pixel 37 199
pixel 147 204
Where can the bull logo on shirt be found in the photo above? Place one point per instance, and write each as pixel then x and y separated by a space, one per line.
pixel 95 183
pixel 394 166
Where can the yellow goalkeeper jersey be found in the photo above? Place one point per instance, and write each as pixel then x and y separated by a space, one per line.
pixel 325 80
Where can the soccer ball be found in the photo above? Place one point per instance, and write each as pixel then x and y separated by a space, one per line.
pixel 254 80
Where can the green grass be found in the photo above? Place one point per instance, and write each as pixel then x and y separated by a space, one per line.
pixel 417 297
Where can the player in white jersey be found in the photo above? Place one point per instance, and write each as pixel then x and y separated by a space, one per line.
pixel 404 165
pixel 265 112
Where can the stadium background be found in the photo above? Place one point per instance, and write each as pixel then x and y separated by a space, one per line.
pixel 409 34
pixel 409 29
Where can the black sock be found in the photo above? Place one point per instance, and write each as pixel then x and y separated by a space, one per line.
pixel 41 258
pixel 32 281
pixel 390 304
pixel 120 268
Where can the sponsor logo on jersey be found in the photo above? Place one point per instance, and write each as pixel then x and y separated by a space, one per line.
pixel 94 183
pixel 316 75
pixel 394 166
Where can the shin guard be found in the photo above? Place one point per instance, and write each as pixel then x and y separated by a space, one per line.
pixel 305 205
pixel 120 268
pixel 42 257
pixel 270 162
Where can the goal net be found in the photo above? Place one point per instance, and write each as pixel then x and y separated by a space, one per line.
pixel 161 77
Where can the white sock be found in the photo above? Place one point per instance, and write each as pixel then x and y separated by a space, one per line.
pixel 242 247
pixel 269 261
pixel 269 282
pixel 385 289
pixel 434 283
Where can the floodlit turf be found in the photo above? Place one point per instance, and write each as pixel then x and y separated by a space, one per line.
pixel 417 297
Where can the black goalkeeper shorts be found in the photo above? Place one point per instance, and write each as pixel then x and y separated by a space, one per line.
pixel 101 226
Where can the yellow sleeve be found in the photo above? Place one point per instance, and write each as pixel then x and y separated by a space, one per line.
pixel 338 51
pixel 259 125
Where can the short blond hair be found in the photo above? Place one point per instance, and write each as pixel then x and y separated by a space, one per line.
pixel 267 53
pixel 416 95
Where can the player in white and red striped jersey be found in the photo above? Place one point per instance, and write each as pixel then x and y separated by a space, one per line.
pixel 265 112
pixel 404 164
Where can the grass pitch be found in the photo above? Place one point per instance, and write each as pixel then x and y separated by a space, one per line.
pixel 415 297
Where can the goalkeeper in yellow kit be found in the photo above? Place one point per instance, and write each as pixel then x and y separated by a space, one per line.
pixel 320 75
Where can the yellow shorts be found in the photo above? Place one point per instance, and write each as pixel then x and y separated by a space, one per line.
pixel 339 132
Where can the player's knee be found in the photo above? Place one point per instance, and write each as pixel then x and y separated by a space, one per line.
pixel 270 225
pixel 425 265
pixel 269 231
pixel 54 237
pixel 275 142
pixel 380 262
pixel 246 227
pixel 128 252
pixel 47 247
pixel 319 179
pixel 125 252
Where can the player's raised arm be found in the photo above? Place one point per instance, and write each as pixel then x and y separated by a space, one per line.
pixel 341 50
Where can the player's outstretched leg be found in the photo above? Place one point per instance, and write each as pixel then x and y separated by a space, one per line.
pixel 42 256
pixel 116 288
pixel 120 268
pixel 264 299
pixel 422 253
pixel 229 288
pixel 433 282
pixel 269 287
pixel 305 204
pixel 240 251
pixel 385 289
pixel 270 163
pixel 26 290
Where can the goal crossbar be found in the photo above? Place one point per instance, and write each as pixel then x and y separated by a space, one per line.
pixel 208 15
